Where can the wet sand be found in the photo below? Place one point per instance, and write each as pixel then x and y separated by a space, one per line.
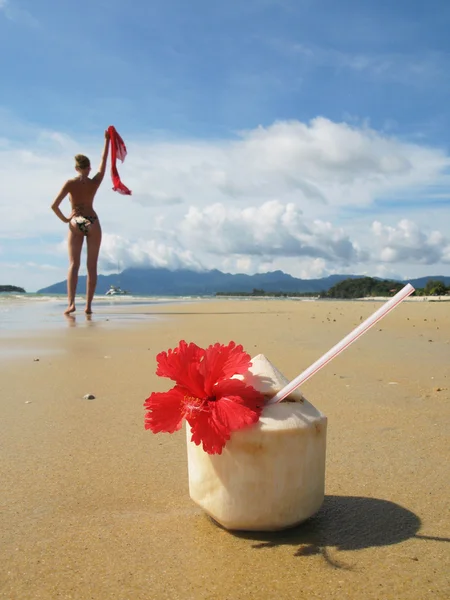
pixel 95 507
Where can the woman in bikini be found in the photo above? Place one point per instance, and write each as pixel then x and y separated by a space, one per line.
pixel 83 223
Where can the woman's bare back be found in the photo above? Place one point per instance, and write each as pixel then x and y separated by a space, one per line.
pixel 82 193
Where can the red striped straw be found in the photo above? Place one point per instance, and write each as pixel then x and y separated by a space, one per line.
pixel 343 344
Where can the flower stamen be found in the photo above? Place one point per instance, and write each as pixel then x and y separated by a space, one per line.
pixel 193 405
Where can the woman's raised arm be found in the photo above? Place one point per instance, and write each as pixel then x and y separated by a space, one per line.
pixel 102 168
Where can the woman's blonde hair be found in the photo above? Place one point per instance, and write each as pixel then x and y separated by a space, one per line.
pixel 82 162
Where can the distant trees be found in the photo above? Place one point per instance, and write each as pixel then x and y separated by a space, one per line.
pixel 12 288
pixel 363 287
pixel 262 293
pixel 367 287
pixel 360 287
pixel 434 287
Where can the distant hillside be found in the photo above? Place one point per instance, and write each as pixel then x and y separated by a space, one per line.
pixel 185 282
pixel 12 288
pixel 158 282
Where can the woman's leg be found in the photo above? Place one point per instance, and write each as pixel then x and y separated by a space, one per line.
pixel 94 239
pixel 75 243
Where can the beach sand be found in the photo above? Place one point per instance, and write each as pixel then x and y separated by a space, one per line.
pixel 95 507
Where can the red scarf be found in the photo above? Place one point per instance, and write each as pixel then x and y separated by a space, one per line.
pixel 118 151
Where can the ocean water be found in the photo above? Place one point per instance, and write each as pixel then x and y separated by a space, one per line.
pixel 23 314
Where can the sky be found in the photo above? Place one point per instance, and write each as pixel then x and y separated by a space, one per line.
pixel 309 136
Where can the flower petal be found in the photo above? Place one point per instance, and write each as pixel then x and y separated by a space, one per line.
pixel 209 432
pixel 240 393
pixel 221 362
pixel 234 416
pixel 182 365
pixel 236 406
pixel 239 405
pixel 165 411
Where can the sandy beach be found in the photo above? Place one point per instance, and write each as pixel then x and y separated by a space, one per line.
pixel 95 507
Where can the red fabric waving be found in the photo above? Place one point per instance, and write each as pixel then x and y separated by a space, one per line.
pixel 118 151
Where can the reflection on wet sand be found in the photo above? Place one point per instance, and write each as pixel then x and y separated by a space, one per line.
pixel 86 320
pixel 71 320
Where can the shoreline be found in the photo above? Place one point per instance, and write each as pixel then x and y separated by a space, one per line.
pixel 31 315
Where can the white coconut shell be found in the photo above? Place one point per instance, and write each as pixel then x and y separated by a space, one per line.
pixel 269 476
pixel 267 379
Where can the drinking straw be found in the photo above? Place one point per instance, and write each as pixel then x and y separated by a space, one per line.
pixel 343 344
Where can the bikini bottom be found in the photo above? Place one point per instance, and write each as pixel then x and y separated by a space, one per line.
pixel 84 222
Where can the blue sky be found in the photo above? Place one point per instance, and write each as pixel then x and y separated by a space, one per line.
pixel 182 80
pixel 208 68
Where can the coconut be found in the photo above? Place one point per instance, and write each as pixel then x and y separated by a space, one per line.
pixel 271 475
pixel 267 379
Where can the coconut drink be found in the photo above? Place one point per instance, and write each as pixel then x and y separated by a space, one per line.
pixel 251 466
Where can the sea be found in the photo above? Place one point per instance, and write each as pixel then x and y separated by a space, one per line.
pixel 28 313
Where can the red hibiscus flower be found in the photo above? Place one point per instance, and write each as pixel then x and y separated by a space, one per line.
pixel 212 403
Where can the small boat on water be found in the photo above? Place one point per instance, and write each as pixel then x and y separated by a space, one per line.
pixel 115 290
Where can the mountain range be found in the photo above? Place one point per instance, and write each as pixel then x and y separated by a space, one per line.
pixel 183 282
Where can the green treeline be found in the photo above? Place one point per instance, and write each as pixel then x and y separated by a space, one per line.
pixel 368 287
pixel 11 288
pixel 257 292
pixel 362 287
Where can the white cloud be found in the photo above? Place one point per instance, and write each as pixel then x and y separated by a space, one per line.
pixel 408 243
pixel 271 229
pixel 156 199
pixel 118 253
pixel 276 197
pixel 320 167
